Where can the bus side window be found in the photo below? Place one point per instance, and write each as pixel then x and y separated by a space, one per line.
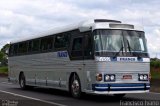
pixel 61 41
pixel 30 45
pixel 11 50
pixel 77 48
pixel 15 50
pixel 34 45
pixel 46 43
pixel 22 48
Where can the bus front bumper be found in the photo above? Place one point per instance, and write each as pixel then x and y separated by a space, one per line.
pixel 119 88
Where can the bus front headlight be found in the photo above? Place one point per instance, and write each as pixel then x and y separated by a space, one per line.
pixel 112 77
pixel 109 77
pixel 143 77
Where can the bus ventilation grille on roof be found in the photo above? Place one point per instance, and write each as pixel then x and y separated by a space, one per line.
pixel 106 20
pixel 121 26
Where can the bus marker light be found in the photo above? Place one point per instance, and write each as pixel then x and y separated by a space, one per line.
pixel 99 77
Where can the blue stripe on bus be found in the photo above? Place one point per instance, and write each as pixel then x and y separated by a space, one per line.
pixel 100 85
pixel 147 84
pixel 127 89
pixel 140 59
pixel 108 87
pixel 126 85
pixel 96 89
pixel 113 59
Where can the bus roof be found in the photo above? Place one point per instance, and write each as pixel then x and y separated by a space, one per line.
pixel 82 26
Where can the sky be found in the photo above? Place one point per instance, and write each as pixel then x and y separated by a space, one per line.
pixel 23 18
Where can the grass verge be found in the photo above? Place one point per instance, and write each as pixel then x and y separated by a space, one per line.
pixel 155 73
pixel 155 86
pixel 4 70
pixel 155 79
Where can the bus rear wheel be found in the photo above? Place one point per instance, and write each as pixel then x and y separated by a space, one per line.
pixel 22 81
pixel 75 87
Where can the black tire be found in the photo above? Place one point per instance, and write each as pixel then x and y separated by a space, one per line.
pixel 75 87
pixel 119 95
pixel 22 81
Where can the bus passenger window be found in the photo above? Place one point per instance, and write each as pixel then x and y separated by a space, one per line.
pixel 11 50
pixel 34 45
pixel 22 48
pixel 14 50
pixel 61 41
pixel 77 44
pixel 77 47
pixel 46 43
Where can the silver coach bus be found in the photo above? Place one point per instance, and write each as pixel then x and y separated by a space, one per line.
pixel 98 56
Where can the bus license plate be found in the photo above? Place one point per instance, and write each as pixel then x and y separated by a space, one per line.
pixel 127 77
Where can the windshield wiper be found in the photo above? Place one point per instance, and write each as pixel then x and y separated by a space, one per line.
pixel 121 49
pixel 130 48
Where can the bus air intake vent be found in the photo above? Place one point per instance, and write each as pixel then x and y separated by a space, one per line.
pixel 106 20
pixel 127 26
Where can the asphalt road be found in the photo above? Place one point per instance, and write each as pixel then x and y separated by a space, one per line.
pixel 12 95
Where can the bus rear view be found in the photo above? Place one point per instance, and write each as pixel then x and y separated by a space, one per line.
pixel 122 60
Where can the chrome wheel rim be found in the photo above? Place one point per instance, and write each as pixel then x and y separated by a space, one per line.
pixel 75 87
pixel 22 83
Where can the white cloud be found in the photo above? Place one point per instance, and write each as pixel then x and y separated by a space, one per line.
pixel 153 39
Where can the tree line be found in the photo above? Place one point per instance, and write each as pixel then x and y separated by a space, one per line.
pixel 155 63
pixel 3 55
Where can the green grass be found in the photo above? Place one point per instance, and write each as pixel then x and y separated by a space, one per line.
pixel 4 70
pixel 155 74
pixel 155 68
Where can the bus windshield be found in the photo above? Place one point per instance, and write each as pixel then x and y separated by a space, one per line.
pixel 135 41
pixel 108 40
pixel 120 40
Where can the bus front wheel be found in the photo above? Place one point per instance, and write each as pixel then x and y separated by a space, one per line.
pixel 75 86
pixel 22 81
